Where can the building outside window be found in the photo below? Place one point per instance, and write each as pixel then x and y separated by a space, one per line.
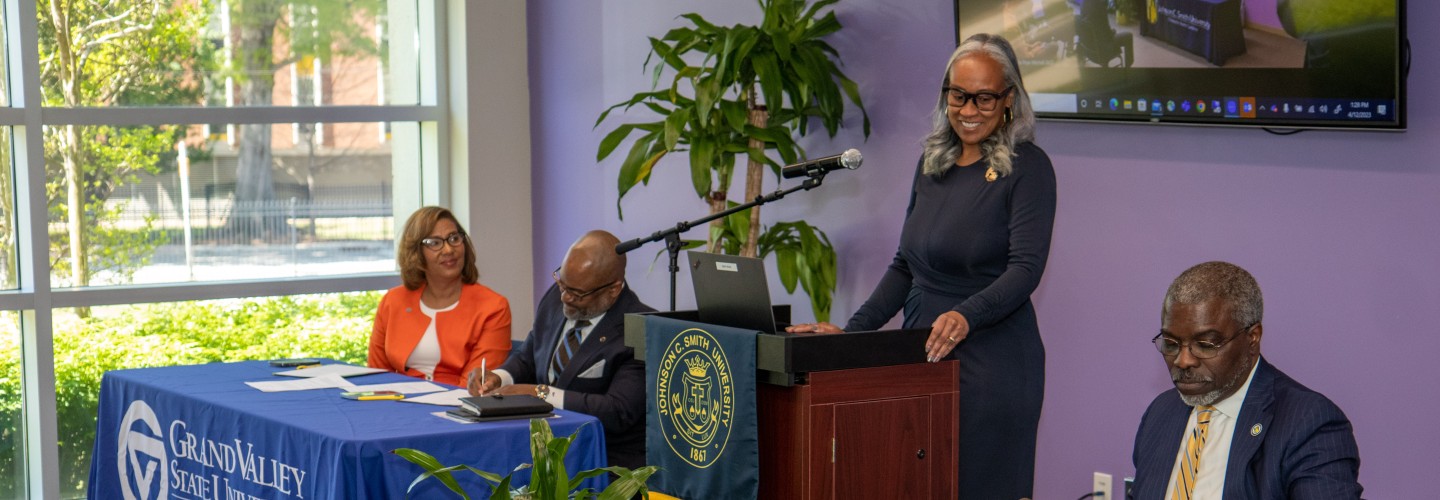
pixel 192 181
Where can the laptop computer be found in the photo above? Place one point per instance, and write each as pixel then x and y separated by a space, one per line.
pixel 731 291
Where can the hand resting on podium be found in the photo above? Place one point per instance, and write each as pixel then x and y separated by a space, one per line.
pixel 948 330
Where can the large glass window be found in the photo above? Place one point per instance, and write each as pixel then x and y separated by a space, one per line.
pixel 228 53
pixel 250 153
pixel 12 441
pixel 8 245
pixel 192 209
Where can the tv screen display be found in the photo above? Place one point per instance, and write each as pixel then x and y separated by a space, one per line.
pixel 1261 63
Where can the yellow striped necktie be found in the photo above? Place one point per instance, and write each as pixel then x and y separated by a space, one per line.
pixel 1190 464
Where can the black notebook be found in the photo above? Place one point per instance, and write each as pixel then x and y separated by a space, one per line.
pixel 505 406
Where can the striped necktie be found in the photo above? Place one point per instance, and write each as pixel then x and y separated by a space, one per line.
pixel 566 350
pixel 1190 464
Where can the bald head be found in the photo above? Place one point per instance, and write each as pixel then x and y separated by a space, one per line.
pixel 591 276
pixel 593 255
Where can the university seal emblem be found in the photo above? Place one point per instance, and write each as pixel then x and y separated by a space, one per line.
pixel 695 397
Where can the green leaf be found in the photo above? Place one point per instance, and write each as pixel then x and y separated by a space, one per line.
pixel 768 72
pixel 674 125
pixel 707 92
pixel 432 468
pixel 628 483
pixel 700 22
pixel 853 92
pixel 822 27
pixel 613 139
pixel 666 53
pixel 785 265
pixel 736 116
pixel 814 9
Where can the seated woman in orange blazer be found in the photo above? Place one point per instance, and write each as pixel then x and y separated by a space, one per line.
pixel 441 323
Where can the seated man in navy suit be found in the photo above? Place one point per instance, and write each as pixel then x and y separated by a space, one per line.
pixel 1234 426
pixel 575 356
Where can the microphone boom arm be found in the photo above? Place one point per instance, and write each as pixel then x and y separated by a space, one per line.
pixel 671 235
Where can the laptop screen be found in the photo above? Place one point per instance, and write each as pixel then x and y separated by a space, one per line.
pixel 731 291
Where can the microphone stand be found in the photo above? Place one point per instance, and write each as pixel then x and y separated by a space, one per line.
pixel 672 235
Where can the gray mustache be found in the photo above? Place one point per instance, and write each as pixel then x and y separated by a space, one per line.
pixel 1190 378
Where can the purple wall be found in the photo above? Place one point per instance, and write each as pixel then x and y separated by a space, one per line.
pixel 1262 13
pixel 1341 228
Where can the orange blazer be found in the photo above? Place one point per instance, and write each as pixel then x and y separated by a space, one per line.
pixel 477 328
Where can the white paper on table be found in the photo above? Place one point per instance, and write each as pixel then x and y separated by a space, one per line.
pixel 447 398
pixel 321 382
pixel 340 369
pixel 420 387
pixel 452 418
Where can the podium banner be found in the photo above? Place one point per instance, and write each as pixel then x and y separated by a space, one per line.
pixel 700 414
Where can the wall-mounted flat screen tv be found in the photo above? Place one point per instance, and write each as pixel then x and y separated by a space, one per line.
pixel 1261 63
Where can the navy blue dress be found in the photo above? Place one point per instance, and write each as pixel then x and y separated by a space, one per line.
pixel 979 247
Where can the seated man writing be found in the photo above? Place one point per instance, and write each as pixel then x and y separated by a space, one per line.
pixel 1234 426
pixel 575 356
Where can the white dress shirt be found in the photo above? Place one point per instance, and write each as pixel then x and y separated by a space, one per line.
pixel 1210 478
pixel 556 397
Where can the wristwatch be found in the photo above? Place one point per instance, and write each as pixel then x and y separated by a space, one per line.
pixel 542 391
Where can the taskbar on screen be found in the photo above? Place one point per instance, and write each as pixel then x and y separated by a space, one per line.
pixel 1211 107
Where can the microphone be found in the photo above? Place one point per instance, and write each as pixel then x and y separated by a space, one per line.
pixel 849 159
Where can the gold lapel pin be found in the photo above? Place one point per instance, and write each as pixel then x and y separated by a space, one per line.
pixel 1255 430
pixel 991 174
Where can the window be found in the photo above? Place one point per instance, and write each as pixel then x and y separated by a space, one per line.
pixel 320 209
pixel 199 158
pixel 12 442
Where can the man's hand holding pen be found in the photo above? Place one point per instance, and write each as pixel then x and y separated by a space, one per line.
pixel 482 381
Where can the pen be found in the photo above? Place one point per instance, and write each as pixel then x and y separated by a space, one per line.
pixel 378 397
pixel 302 367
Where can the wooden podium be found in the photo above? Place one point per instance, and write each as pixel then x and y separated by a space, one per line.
pixel 850 415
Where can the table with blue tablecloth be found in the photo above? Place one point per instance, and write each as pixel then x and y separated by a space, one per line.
pixel 1212 29
pixel 192 432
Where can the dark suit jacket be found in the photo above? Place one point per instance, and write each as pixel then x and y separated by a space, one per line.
pixel 1305 448
pixel 614 393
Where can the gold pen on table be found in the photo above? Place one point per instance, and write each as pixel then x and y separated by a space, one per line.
pixel 302 367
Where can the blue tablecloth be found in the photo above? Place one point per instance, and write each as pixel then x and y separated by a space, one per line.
pixel 1208 28
pixel 198 431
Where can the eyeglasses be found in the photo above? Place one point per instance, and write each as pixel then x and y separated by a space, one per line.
pixel 984 101
pixel 1201 349
pixel 578 294
pixel 454 239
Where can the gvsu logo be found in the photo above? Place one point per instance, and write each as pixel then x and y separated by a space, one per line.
pixel 141 456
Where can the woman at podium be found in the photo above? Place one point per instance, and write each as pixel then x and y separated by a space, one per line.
pixel 441 324
pixel 972 249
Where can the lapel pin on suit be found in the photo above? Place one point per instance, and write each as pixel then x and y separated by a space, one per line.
pixel 1255 430
pixel 602 339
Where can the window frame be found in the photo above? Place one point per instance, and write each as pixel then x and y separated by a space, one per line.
pixel 35 300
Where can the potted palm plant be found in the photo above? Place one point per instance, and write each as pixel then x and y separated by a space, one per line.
pixel 743 90
pixel 548 478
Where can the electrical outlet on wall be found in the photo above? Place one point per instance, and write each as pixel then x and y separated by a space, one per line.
pixel 1101 486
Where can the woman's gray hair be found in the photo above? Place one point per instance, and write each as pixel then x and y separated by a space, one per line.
pixel 942 146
